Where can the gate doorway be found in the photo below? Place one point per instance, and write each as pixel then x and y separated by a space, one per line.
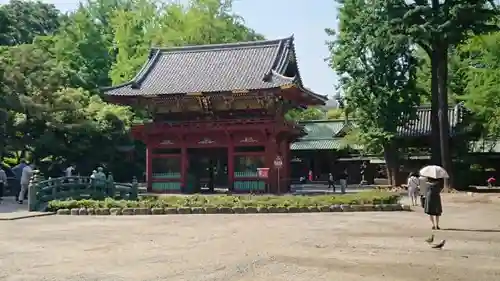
pixel 207 170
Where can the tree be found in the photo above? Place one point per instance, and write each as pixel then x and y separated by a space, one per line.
pixel 335 113
pixel 22 21
pixel 378 68
pixel 436 26
pixel 481 59
pixel 308 114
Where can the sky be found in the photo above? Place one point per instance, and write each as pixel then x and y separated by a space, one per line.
pixel 281 18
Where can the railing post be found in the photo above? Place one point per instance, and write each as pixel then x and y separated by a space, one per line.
pixel 111 186
pixel 135 189
pixel 32 192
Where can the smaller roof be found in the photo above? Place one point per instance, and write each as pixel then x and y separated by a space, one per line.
pixel 216 68
pixel 331 144
pixel 322 129
pixel 422 125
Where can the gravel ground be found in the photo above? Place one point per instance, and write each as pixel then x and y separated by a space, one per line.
pixel 322 246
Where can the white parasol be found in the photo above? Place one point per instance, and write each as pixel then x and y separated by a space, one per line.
pixel 434 171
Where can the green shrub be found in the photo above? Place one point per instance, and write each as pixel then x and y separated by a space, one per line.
pixel 231 201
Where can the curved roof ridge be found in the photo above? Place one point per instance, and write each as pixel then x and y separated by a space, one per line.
pixel 211 47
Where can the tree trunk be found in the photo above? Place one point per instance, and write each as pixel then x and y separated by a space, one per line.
pixel 435 132
pixel 444 125
pixel 391 162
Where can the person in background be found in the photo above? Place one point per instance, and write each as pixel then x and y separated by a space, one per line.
pixel 491 182
pixel 3 182
pixel 330 181
pixel 413 184
pixel 18 169
pixel 310 176
pixel 25 182
pixel 93 176
pixel 343 181
pixel 69 171
pixel 422 188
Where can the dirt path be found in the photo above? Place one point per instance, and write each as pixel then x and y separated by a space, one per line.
pixel 325 246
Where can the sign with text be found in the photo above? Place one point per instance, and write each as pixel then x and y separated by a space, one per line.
pixel 278 162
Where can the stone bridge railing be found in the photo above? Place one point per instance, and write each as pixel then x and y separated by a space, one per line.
pixel 42 191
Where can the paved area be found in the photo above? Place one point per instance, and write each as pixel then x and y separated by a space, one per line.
pixel 322 246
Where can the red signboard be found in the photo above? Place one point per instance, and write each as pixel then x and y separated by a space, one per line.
pixel 263 173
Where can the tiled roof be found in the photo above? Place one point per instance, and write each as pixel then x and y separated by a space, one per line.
pixel 321 135
pixel 422 125
pixel 323 129
pixel 215 68
pixel 318 144
pixel 325 134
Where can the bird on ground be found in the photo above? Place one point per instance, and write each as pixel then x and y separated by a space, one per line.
pixel 440 245
pixel 430 239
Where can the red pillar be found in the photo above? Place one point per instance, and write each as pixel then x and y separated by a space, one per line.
pixel 230 164
pixel 184 166
pixel 285 155
pixel 271 153
pixel 149 168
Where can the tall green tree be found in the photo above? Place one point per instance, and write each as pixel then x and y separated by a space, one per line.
pixel 436 26
pixel 378 68
pixel 481 66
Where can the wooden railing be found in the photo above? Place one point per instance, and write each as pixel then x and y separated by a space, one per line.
pixel 42 191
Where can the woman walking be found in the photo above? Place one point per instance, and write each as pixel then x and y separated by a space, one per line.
pixel 433 206
pixel 413 184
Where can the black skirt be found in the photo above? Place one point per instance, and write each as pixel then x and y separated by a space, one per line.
pixel 433 206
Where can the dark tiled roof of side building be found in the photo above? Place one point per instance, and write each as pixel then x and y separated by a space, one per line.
pixel 215 68
pixel 326 129
pixel 422 125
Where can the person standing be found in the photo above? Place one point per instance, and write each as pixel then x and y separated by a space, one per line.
pixel 413 188
pixel 331 181
pixel 422 186
pixel 69 171
pixel 343 181
pixel 3 182
pixel 433 206
pixel 25 182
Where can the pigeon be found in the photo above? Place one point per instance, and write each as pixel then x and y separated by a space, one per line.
pixel 430 239
pixel 440 245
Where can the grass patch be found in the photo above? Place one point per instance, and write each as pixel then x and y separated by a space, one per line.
pixel 375 197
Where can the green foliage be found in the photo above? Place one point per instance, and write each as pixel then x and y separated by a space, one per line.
pixel 375 197
pixel 22 21
pixel 336 113
pixel 481 66
pixel 308 114
pixel 378 71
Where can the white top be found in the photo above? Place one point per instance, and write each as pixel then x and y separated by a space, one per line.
pixel 69 171
pixel 423 185
pixel 26 175
pixel 413 182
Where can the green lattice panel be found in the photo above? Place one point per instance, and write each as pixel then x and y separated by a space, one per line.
pixel 249 186
pixel 246 174
pixel 166 186
pixel 166 175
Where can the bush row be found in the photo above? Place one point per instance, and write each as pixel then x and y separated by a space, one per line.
pixel 231 201
pixel 233 210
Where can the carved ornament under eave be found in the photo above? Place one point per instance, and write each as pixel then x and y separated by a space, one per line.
pixel 206 141
pixel 248 140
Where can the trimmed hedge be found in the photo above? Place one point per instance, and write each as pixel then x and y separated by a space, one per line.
pixel 230 201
